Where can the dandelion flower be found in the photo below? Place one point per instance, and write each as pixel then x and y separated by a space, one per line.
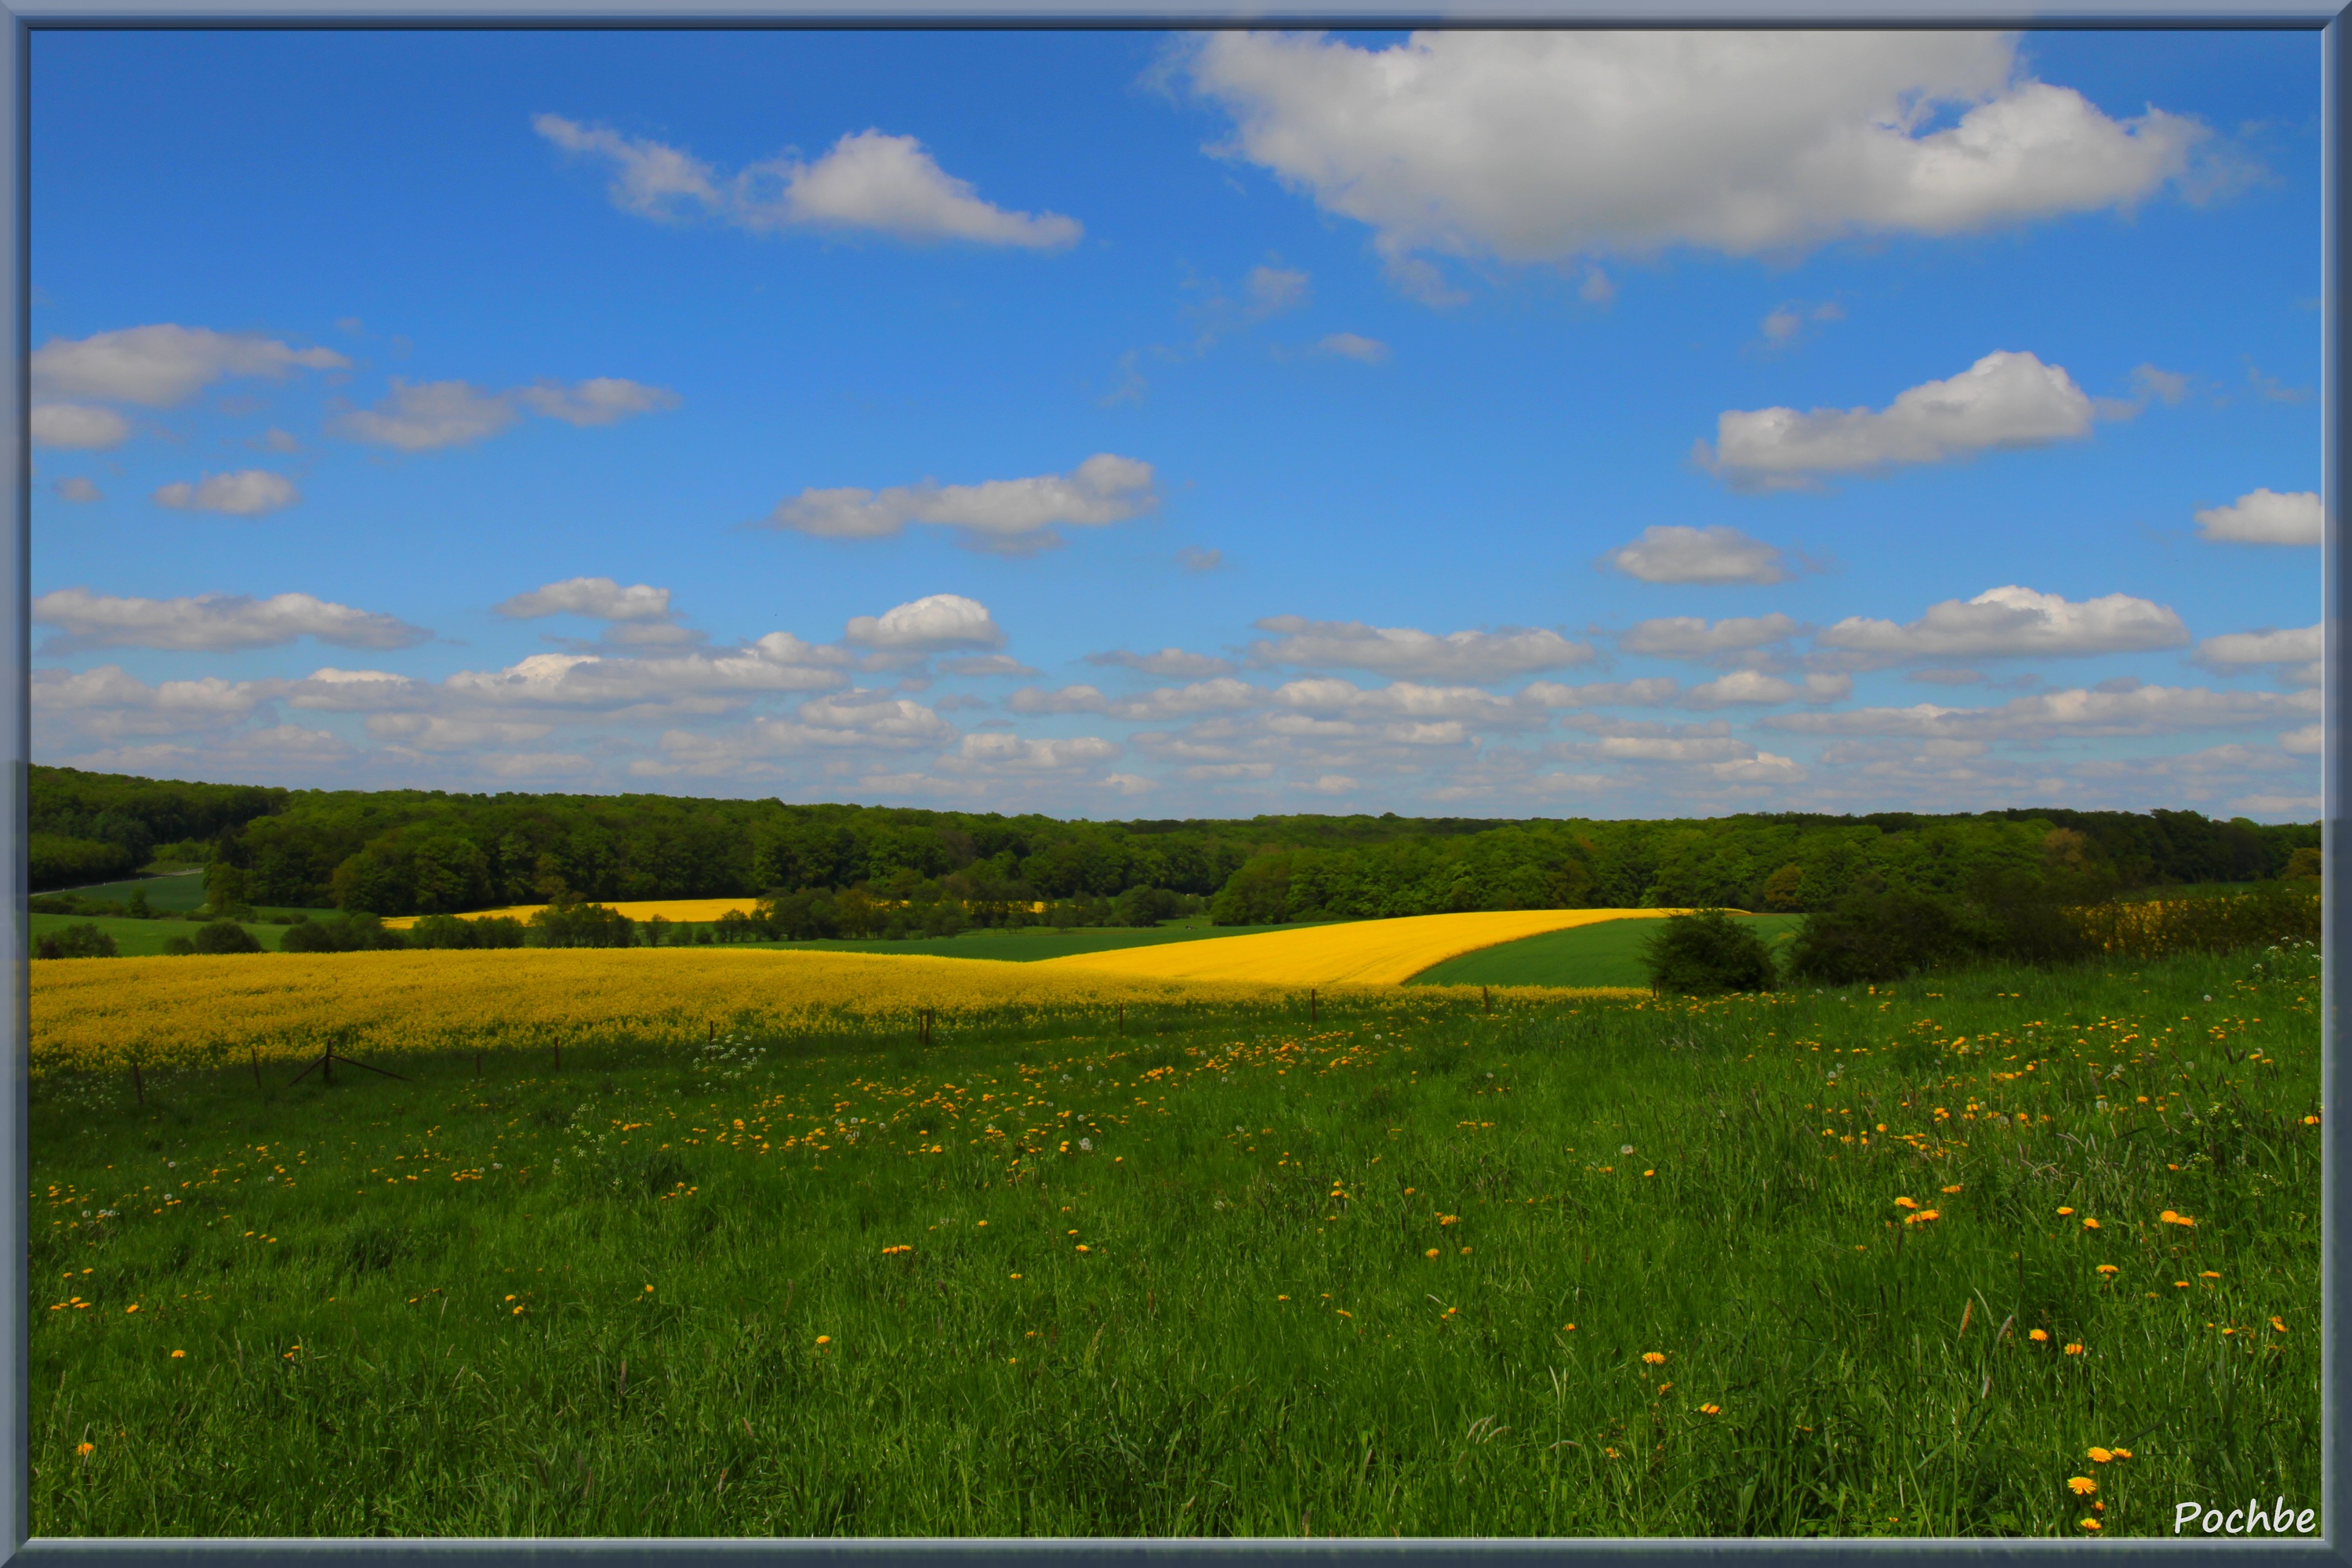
pixel 1953 1188
pixel 2279 1324
pixel 2123 1453
pixel 1431 1253
pixel 1654 1358
pixel 2090 1224
pixel 1282 1298
pixel 1568 1328
pixel 2065 1211
pixel 1626 1150
pixel 1466 1252
pixel 2038 1336
pixel 1906 1202
pixel 824 1339
pixel 2073 1349
pixel 177 1355
pixel 2101 1455
pixel 649 1290
pixel 85 1449
pixel 2209 1274
pixel 2088 1524
pixel 2082 1486
pixel 2109 1269
pixel 1710 1410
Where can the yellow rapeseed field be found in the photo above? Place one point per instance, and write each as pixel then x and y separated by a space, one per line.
pixel 1359 952
pixel 637 909
pixel 101 1013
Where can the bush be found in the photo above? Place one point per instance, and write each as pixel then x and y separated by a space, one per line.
pixel 224 936
pixel 343 933
pixel 1707 954
pixel 83 940
pixel 178 946
pixel 443 930
pixel 1147 906
pixel 1875 937
pixel 497 930
pixel 583 925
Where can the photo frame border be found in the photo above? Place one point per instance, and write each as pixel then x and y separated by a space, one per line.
pixel 19 1549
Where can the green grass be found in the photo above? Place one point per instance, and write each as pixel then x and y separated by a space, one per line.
pixel 584 1302
pixel 175 892
pixel 1609 954
pixel 1027 944
pixel 145 939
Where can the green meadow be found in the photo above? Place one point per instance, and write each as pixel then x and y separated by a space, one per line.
pixel 1609 954
pixel 1822 1263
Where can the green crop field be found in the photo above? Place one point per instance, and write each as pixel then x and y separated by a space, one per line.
pixel 1027 944
pixel 184 892
pixel 1817 1264
pixel 1609 954
pixel 145 939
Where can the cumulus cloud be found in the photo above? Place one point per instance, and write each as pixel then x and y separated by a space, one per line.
pixel 78 489
pixel 426 732
pixel 429 415
pixel 250 492
pixel 425 416
pixel 612 684
pixel 1647 693
pixel 1354 346
pixel 2295 654
pixel 1755 687
pixel 107 703
pixel 212 622
pixel 868 182
pixel 1544 147
pixel 1192 558
pixel 78 426
pixel 2303 742
pixel 1168 702
pixel 1670 552
pixel 1695 636
pixel 159 366
pixel 933 623
pixel 1169 661
pixel 2264 517
pixel 1010 516
pixel 1410 700
pixel 2012 621
pixel 600 400
pixel 1019 754
pixel 2145 711
pixel 1400 651
pixel 599 598
pixel 2003 400
pixel 982 664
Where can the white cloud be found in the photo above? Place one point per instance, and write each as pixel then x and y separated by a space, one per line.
pixel 2146 711
pixel 212 622
pixel 427 734
pixel 2295 807
pixel 1542 147
pixel 1068 699
pixel 1128 783
pixel 601 400
pixel 1007 515
pixel 868 182
pixel 425 416
pixel 1407 700
pixel 778 662
pixel 2013 621
pixel 2304 742
pixel 1401 651
pixel 1672 748
pixel 2295 652
pixel 1328 783
pixel 1223 695
pixel 599 598
pixel 105 703
pixel 1752 686
pixel 1354 346
pixel 2264 517
pixel 1014 753
pixel 1670 552
pixel 929 625
pixel 2003 400
pixel 1647 693
pixel 78 489
pixel 249 493
pixel 1695 636
pixel 161 366
pixel 1764 767
pixel 78 427
pixel 1272 289
pixel 985 664
pixel 2150 385
pixel 1192 558
pixel 1169 661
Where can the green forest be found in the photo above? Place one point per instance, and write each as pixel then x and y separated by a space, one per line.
pixel 400 852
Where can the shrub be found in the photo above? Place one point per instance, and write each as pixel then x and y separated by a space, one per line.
pixel 178 946
pixel 84 940
pixel 342 933
pixel 1705 953
pixel 1875 937
pixel 498 931
pixel 1147 906
pixel 224 936
pixel 583 925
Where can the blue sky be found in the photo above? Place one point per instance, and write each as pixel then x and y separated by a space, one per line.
pixel 1126 425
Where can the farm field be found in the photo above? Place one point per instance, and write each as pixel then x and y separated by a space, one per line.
pixel 676 910
pixel 1028 944
pixel 1605 954
pixel 181 891
pixel 1359 952
pixel 1998 1256
pixel 137 939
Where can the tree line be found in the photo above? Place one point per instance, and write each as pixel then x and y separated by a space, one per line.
pixel 413 852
